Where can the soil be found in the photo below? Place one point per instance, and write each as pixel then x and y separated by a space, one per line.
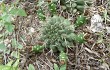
pixel 80 57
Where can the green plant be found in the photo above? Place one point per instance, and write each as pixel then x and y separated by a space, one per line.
pixel 55 33
pixel 41 14
pixel 31 67
pixel 58 33
pixel 56 67
pixel 12 64
pixel 78 38
pixel 63 58
pixel 8 67
pixel 37 48
pixel 74 6
pixel 52 8
pixel 4 67
pixel 81 19
pixel 63 61
pixel 8 14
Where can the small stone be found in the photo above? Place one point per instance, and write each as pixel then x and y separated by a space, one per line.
pixel 108 29
pixel 31 30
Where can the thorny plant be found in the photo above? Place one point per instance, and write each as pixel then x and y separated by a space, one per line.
pixel 75 6
pixel 58 32
pixel 55 33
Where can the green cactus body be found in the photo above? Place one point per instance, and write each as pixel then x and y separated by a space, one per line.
pixel 80 21
pixel 58 33
pixel 37 48
pixel 74 6
pixel 55 33
pixel 80 8
pixel 80 2
pixel 40 14
pixel 52 8
pixel 79 38
pixel 63 56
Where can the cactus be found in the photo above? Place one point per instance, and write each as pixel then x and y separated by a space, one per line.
pixel 80 21
pixel 55 33
pixel 77 38
pixel 40 14
pixel 63 58
pixel 37 48
pixel 58 33
pixel 52 8
pixel 75 5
